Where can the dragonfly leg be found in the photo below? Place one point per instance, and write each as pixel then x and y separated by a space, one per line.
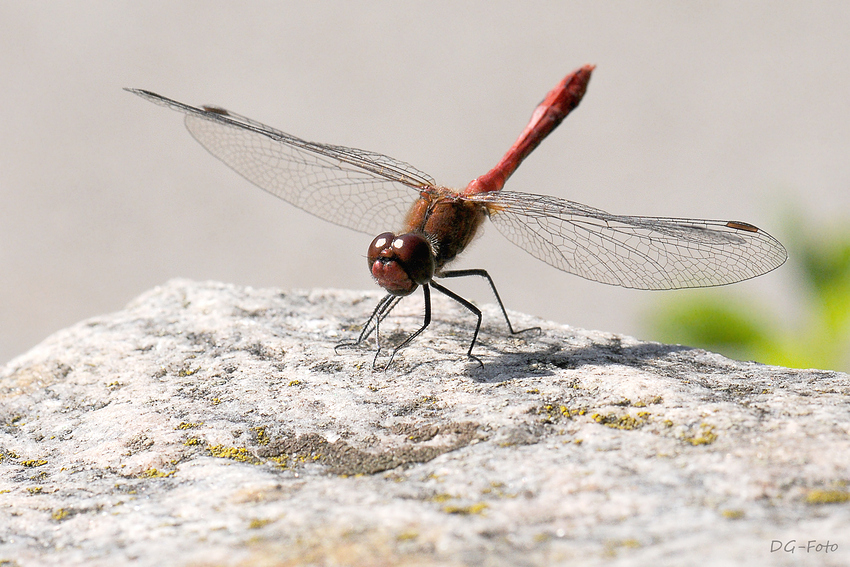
pixel 389 305
pixel 484 274
pixel 381 311
pixel 468 304
pixel 426 290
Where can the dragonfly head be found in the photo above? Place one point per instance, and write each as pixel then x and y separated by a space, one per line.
pixel 401 263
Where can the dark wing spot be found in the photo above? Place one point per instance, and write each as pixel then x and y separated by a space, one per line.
pixel 216 110
pixel 738 225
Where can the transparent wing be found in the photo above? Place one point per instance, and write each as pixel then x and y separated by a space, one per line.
pixel 353 188
pixel 634 252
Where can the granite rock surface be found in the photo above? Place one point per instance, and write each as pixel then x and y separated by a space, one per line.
pixel 210 424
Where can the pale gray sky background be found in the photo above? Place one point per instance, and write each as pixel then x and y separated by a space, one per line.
pixel 730 110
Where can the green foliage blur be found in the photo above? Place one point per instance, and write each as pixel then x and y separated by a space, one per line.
pixel 746 328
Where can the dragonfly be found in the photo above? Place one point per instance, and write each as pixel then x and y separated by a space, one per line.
pixel 361 190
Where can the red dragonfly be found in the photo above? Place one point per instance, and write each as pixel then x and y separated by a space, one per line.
pixel 360 190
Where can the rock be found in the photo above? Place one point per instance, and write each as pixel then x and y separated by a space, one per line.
pixel 214 424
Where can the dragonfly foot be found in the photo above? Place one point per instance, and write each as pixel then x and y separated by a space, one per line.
pixel 535 329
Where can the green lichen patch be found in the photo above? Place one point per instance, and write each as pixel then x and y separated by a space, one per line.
pixel 612 546
pixel 62 514
pixel 240 454
pixel 497 489
pixel 257 523
pixel 34 463
pixel 261 435
pixel 473 509
pixel 705 436
pixel 409 535
pixel 553 412
pixel 651 401
pixel 827 497
pixel 155 473
pixel 189 425
pixel 626 422
pixel 15 421
pixel 442 497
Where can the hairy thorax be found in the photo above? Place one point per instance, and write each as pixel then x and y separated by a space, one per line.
pixel 449 223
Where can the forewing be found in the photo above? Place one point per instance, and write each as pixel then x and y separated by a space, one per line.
pixel 362 190
pixel 633 252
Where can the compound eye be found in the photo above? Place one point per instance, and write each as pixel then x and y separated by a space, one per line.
pixel 381 242
pixel 414 253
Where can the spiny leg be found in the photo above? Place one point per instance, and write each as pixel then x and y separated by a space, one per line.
pixel 385 310
pixel 388 306
pixel 484 274
pixel 468 304
pixel 426 290
pixel 381 311
pixel 368 326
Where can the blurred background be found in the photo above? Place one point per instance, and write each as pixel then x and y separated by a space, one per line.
pixel 719 109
